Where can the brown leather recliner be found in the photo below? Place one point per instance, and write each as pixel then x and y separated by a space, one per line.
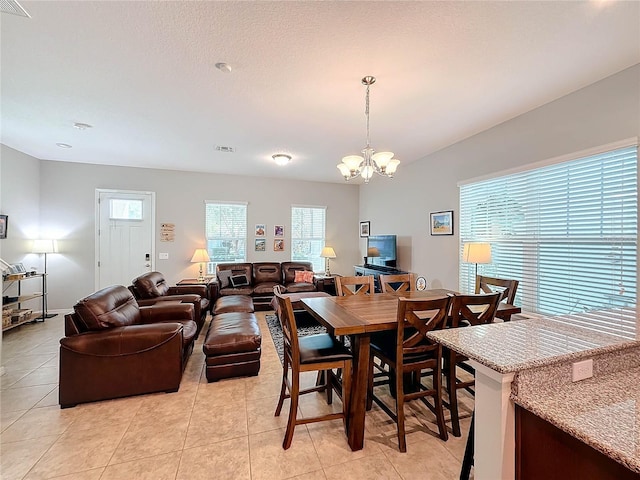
pixel 289 277
pixel 115 348
pixel 152 287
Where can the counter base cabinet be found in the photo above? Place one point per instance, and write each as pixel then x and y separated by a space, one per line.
pixel 543 451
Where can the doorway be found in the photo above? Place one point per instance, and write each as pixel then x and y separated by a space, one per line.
pixel 125 243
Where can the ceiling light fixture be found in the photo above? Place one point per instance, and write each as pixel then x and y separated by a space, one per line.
pixel 82 126
pixel 381 163
pixel 63 145
pixel 281 159
pixel 223 67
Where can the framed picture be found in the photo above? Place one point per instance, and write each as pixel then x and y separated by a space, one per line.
pixel 278 245
pixel 442 223
pixel 364 228
pixel 278 230
pixel 261 245
pixel 261 230
pixel 4 222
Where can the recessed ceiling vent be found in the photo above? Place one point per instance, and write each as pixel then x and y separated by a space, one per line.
pixel 221 148
pixel 13 7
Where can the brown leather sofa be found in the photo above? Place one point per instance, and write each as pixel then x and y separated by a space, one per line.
pixel 152 287
pixel 115 348
pixel 261 278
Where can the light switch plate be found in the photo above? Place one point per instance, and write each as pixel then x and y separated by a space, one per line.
pixel 582 370
pixel 163 256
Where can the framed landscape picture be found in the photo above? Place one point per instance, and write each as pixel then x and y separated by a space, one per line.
pixel 442 223
pixel 261 245
pixel 364 228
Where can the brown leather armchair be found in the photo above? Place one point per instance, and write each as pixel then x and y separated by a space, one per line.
pixel 289 277
pixel 115 348
pixel 150 288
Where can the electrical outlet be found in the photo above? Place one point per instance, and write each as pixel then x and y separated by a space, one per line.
pixel 582 370
pixel 163 256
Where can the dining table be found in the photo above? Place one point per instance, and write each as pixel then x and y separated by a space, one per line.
pixel 358 316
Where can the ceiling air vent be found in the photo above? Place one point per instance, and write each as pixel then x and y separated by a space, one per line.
pixel 221 148
pixel 13 7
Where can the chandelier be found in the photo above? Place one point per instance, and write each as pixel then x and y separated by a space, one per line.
pixel 381 163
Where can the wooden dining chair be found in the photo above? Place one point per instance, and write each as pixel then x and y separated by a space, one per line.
pixel 466 310
pixel 402 282
pixel 358 285
pixel 319 352
pixel 507 288
pixel 411 352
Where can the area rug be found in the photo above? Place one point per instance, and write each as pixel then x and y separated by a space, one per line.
pixel 306 326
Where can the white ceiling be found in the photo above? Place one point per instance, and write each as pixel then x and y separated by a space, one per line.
pixel 143 74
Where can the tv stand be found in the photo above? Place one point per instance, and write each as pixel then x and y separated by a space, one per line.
pixel 376 271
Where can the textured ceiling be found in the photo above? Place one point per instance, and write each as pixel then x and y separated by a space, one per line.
pixel 143 74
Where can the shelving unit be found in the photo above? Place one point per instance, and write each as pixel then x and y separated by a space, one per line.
pixel 8 286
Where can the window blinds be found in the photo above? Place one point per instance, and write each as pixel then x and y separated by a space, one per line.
pixel 307 235
pixel 226 232
pixel 567 231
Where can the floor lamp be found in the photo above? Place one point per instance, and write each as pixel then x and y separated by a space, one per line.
pixel 45 246
pixel 476 253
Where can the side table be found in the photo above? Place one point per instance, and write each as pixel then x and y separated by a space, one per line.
pixel 210 282
pixel 326 283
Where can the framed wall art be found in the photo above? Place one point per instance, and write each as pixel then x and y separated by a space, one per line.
pixel 261 244
pixel 261 230
pixel 364 228
pixel 442 223
pixel 278 245
pixel 278 230
pixel 4 223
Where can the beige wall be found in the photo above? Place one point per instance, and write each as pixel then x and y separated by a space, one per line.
pixel 601 113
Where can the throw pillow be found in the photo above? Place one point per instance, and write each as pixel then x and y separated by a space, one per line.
pixel 239 280
pixel 224 276
pixel 303 276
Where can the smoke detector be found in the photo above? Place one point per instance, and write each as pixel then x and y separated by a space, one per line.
pixel 222 148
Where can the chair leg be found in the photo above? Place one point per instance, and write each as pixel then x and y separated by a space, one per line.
pixel 283 389
pixel 453 395
pixel 328 376
pixel 293 409
pixel 437 386
pixel 402 441
pixel 370 384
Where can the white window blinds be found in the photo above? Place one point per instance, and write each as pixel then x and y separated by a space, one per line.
pixel 567 231
pixel 226 231
pixel 307 235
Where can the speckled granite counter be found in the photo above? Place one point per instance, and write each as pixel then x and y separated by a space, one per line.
pixel 518 345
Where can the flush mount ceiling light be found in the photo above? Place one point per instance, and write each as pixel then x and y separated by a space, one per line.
pixel 281 159
pixel 63 145
pixel 381 163
pixel 223 67
pixel 82 126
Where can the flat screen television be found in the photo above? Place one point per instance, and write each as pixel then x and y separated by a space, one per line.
pixel 381 250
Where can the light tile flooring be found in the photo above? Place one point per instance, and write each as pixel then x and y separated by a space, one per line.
pixel 224 430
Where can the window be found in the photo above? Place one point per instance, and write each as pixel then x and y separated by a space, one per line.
pixel 125 209
pixel 567 231
pixel 226 231
pixel 307 235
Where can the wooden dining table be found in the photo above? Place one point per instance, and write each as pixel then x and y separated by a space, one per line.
pixel 359 316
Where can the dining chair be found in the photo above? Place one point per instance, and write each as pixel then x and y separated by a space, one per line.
pixel 319 352
pixel 466 310
pixel 507 288
pixel 402 282
pixel 358 285
pixel 411 352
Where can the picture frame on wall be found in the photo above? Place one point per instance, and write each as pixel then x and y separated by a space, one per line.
pixel 261 244
pixel 278 245
pixel 4 223
pixel 261 230
pixel 441 223
pixel 278 230
pixel 365 227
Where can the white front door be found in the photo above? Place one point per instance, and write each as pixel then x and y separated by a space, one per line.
pixel 124 238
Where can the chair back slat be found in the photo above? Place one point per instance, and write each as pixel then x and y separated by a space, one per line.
pixel 288 324
pixel 402 282
pixel 507 288
pixel 484 308
pixel 416 318
pixel 358 285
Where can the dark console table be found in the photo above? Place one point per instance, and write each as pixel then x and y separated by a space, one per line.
pixel 376 271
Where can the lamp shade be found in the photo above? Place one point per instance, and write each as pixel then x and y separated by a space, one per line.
pixel 200 255
pixel 44 246
pixel 373 252
pixel 328 252
pixel 477 253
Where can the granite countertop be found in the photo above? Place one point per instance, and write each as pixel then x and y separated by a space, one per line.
pixel 602 412
pixel 523 344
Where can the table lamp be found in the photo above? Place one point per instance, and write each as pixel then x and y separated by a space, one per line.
pixel 327 253
pixel 45 246
pixel 200 256
pixel 476 253
pixel 371 252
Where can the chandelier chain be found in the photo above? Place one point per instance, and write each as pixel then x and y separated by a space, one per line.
pixel 366 112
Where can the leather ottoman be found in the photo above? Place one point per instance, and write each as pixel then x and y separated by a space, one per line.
pixel 232 346
pixel 233 303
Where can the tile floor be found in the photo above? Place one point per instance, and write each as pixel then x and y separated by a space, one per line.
pixel 224 430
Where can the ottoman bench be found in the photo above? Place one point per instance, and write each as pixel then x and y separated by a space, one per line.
pixel 233 303
pixel 232 346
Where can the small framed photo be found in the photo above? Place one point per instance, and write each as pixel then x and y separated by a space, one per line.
pixel 278 231
pixel 4 223
pixel 261 230
pixel 278 245
pixel 261 244
pixel 442 223
pixel 364 228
